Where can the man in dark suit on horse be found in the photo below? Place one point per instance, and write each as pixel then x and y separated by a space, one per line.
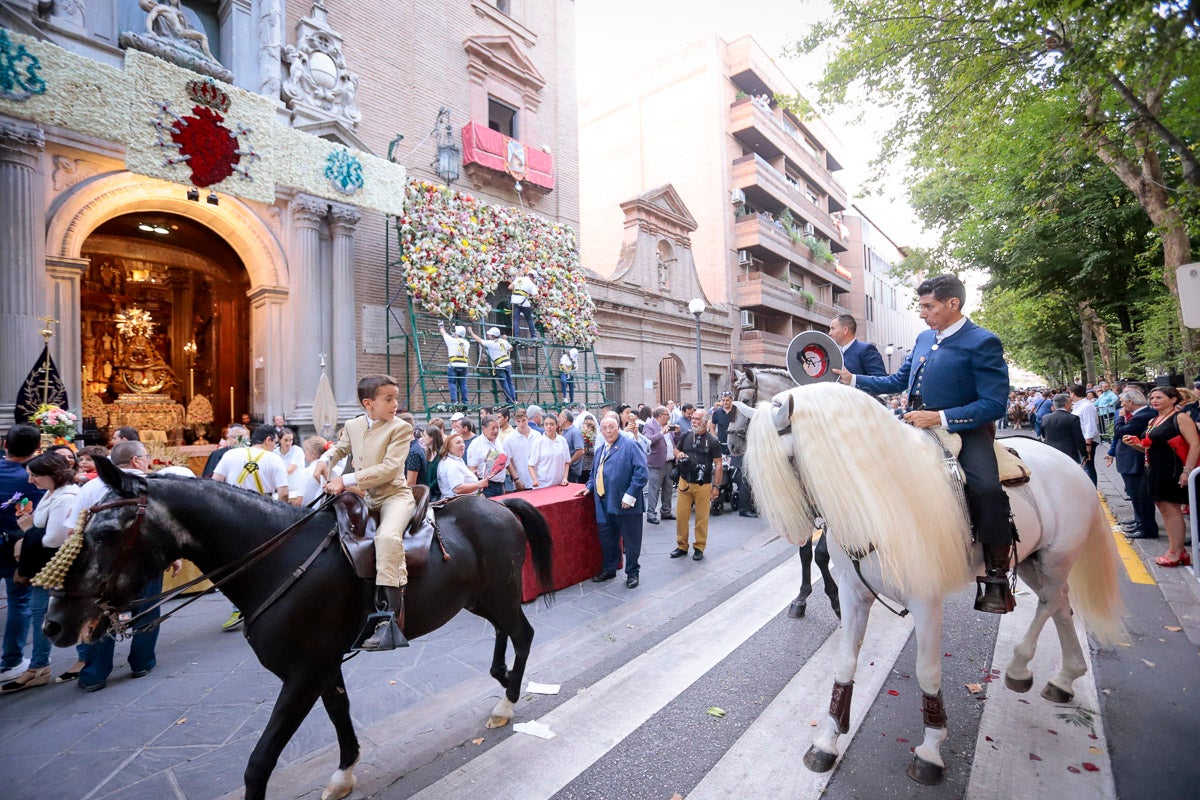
pixel 859 357
pixel 957 379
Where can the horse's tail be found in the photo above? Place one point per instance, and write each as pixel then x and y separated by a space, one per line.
pixel 1095 588
pixel 541 545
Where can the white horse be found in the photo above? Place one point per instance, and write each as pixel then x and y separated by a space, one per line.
pixel 888 499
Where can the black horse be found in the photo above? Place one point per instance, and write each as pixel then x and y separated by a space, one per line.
pixel 303 634
pixel 748 388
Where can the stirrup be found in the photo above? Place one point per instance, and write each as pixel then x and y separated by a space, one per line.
pixel 380 633
pixel 994 595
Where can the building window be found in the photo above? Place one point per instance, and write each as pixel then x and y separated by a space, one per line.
pixel 714 386
pixel 502 118
pixel 504 7
pixel 615 383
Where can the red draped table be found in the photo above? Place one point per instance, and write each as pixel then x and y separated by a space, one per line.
pixel 572 521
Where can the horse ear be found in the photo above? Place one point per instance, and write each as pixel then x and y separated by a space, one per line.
pixel 118 480
pixel 782 413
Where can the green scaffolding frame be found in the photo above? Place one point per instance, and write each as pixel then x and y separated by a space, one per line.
pixel 534 361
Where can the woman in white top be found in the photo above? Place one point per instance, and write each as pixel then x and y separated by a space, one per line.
pixel 52 474
pixel 293 459
pixel 454 476
pixel 549 457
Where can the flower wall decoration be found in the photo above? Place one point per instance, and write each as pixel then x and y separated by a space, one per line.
pixel 456 250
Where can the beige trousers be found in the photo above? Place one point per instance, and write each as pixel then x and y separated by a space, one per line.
pixel 395 511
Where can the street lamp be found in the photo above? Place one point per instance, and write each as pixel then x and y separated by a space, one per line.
pixel 696 307
pixel 449 155
pixel 889 350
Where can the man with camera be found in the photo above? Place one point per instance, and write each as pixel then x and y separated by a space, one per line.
pixel 660 461
pixel 698 454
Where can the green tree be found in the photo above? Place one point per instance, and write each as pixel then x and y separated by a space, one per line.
pixel 1125 75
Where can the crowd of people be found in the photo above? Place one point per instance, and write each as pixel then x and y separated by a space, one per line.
pixel 641 464
pixel 1151 434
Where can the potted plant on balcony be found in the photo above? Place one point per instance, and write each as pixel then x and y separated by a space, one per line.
pixel 808 297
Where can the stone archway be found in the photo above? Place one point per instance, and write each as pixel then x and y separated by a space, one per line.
pixel 669 370
pixel 91 203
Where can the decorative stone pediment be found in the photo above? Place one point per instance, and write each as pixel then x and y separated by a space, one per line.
pixel 319 86
pixel 502 57
pixel 663 209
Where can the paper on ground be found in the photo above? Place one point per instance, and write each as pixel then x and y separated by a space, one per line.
pixel 534 728
pixel 543 688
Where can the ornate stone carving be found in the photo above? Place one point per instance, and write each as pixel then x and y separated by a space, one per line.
pixel 21 144
pixel 319 86
pixel 171 37
pixel 70 171
pixel 70 14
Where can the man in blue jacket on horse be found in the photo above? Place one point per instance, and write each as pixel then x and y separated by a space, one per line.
pixel 956 378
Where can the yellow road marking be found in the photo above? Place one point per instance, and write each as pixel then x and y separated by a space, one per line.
pixel 1135 568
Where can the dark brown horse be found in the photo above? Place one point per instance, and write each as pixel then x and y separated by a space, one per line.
pixel 302 634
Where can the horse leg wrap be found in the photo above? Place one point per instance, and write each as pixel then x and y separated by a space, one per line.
pixel 839 705
pixel 933 711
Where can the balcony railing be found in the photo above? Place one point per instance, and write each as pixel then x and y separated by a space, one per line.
pixel 753 170
pixel 745 113
pixel 494 150
pixel 761 347
pixel 756 230
pixel 758 290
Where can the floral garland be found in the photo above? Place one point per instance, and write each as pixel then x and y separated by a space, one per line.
pixel 456 250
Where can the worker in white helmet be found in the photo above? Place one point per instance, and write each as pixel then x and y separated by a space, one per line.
pixel 458 351
pixel 523 291
pixel 567 365
pixel 499 349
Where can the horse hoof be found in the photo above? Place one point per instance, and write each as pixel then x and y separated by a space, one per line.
pixel 1017 684
pixel 497 722
pixel 1056 695
pixel 818 760
pixel 796 609
pixel 925 772
pixel 339 787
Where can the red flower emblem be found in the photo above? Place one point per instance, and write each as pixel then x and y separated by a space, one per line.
pixel 211 147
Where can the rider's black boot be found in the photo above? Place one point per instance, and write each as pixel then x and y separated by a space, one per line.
pixel 994 594
pixel 388 621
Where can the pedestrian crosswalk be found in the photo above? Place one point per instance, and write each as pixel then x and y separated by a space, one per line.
pixel 1026 746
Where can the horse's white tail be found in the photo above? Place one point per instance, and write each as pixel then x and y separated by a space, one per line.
pixel 1095 588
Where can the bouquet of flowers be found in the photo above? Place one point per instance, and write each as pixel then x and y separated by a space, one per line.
pixel 55 421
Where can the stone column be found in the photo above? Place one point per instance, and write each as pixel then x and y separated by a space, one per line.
pixel 342 222
pixel 308 283
pixel 63 303
pixel 270 359
pixel 22 259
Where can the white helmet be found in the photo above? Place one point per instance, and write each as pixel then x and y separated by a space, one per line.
pixel 573 353
pixel 493 333
pixel 460 331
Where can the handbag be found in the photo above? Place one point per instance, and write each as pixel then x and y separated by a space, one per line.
pixel 1180 446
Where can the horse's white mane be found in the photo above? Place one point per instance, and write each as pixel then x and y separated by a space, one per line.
pixel 877 482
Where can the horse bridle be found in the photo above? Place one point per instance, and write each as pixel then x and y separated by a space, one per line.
pixel 113 611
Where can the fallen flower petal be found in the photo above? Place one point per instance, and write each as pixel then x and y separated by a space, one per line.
pixel 1090 767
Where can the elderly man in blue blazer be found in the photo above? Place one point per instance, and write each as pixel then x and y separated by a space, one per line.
pixel 1133 419
pixel 618 477
pixel 957 379
pixel 859 357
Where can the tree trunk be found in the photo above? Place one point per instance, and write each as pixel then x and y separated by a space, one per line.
pixel 1103 341
pixel 1086 333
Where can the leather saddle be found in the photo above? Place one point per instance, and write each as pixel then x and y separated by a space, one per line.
pixel 1013 471
pixel 356 533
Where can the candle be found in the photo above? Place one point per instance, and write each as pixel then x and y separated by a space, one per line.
pixel 232 417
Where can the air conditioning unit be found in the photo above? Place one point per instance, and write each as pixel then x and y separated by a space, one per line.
pixel 809 230
pixel 744 257
pixel 737 197
pixel 747 320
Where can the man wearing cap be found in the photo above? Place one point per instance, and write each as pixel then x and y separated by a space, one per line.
pixel 566 373
pixel 458 351
pixel 523 292
pixel 498 350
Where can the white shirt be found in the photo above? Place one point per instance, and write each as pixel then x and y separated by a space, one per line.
pixel 525 284
pixel 271 470
pixel 953 329
pixel 497 349
pixel 52 513
pixel 92 493
pixel 1089 420
pixel 452 473
pixel 549 459
pixel 480 456
pixel 456 346
pixel 567 364
pixel 295 480
pixel 519 449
